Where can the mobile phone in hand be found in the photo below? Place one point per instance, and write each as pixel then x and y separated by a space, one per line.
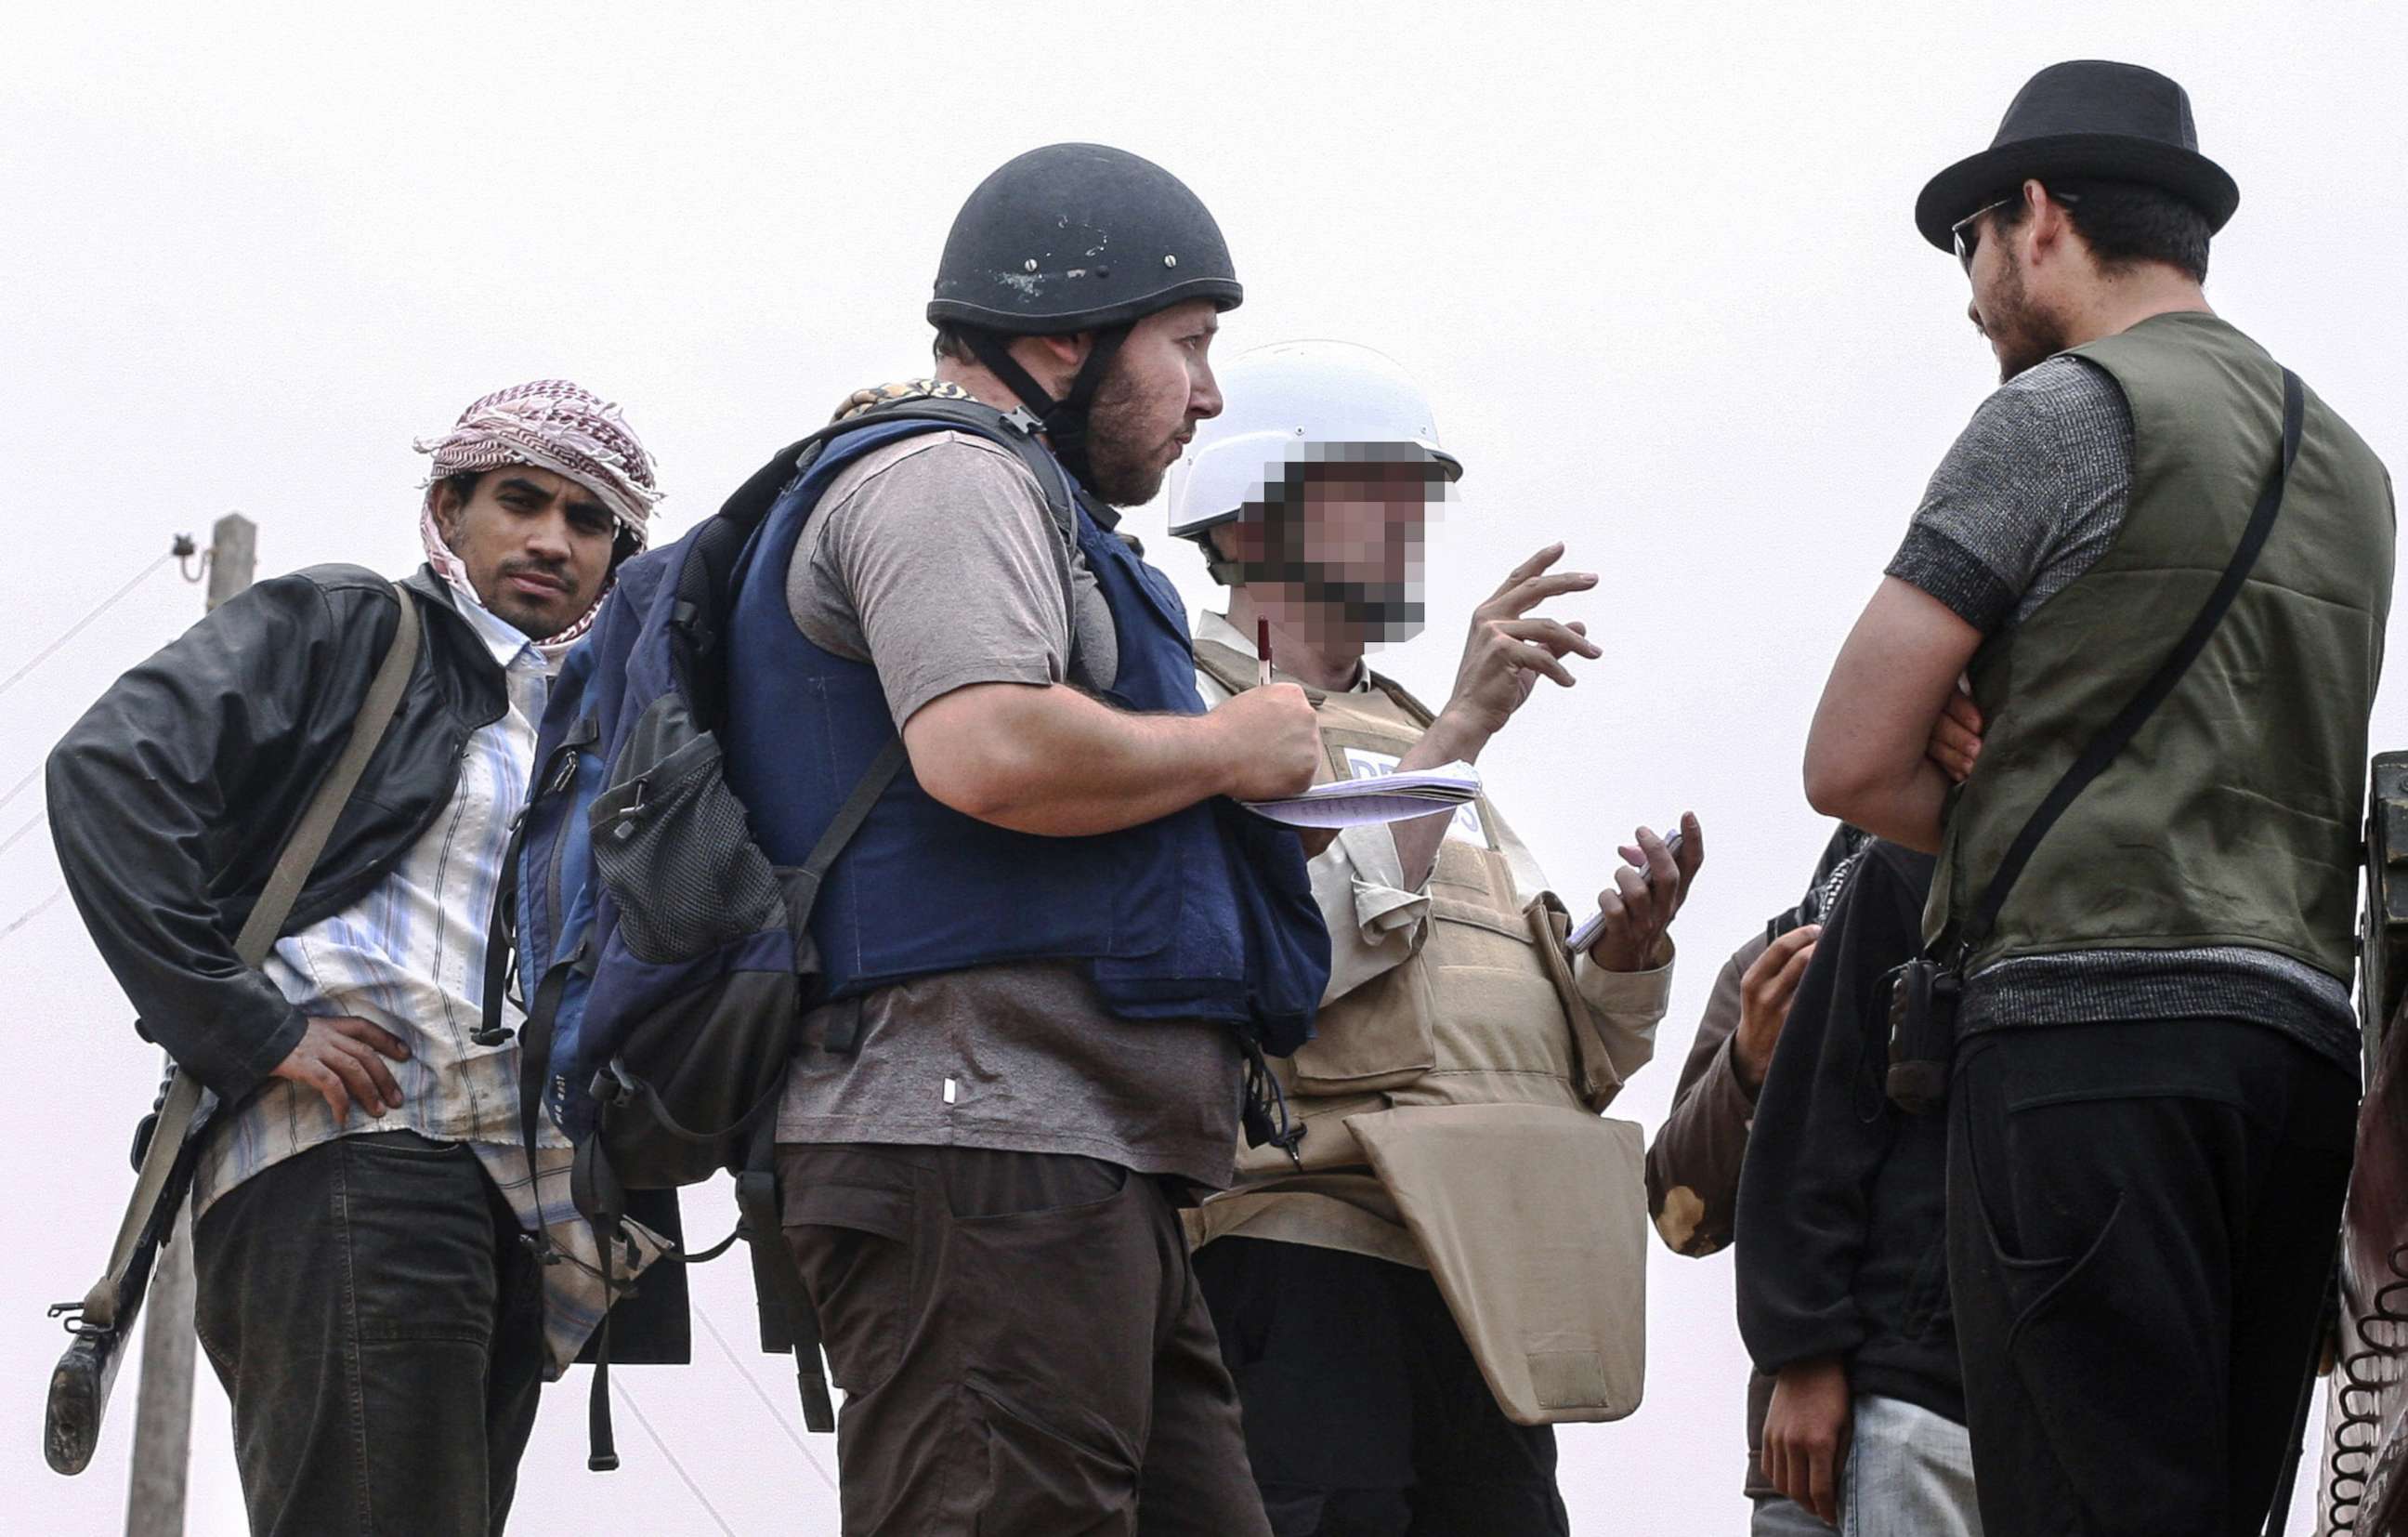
pixel 1671 846
pixel 1586 935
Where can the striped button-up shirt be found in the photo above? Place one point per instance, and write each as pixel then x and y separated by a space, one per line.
pixel 410 956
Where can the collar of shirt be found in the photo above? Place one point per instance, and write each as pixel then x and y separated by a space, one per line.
pixel 1215 626
pixel 510 646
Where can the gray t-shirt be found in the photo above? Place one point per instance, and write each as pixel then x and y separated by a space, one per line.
pixel 935 560
pixel 2031 495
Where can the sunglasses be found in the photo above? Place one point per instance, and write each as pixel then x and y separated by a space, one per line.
pixel 1967 235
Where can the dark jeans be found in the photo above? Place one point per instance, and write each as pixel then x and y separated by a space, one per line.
pixel 2141 1220
pixel 1366 1416
pixel 1022 1346
pixel 378 1325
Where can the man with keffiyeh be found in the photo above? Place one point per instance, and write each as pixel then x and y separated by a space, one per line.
pixel 385 1275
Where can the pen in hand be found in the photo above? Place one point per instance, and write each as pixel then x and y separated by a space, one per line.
pixel 1263 650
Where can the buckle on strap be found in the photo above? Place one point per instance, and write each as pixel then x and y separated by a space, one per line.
pixel 612 1085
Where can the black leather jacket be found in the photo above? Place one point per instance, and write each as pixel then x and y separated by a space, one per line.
pixel 171 798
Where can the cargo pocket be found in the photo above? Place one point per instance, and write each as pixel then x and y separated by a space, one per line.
pixel 853 1244
pixel 1059 1472
pixel 1381 1034
pixel 674 848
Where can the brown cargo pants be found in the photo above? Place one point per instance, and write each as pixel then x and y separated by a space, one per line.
pixel 1022 1345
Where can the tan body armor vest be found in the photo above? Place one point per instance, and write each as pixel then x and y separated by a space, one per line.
pixel 1483 1012
pixel 1466 1082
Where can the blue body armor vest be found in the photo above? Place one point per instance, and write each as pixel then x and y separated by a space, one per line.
pixel 1207 914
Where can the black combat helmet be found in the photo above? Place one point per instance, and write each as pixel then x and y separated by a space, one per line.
pixel 1075 238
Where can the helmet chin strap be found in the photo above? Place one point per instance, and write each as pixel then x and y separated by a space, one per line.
pixel 1065 421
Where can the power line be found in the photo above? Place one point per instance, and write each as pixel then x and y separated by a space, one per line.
pixel 36 821
pixel 758 1392
pixel 35 911
pixel 692 1488
pixel 18 788
pixel 73 630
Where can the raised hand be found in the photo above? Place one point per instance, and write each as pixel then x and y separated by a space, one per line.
pixel 1510 648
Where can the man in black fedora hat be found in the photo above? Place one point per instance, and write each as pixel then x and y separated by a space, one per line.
pixel 2164 567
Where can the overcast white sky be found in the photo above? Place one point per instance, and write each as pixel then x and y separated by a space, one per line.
pixel 1654 264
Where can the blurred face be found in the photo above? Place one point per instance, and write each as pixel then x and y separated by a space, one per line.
pixel 537 544
pixel 1345 565
pixel 1160 385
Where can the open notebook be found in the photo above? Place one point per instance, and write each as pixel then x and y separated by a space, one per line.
pixel 1380 798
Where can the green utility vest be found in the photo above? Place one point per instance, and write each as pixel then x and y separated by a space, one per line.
pixel 2232 818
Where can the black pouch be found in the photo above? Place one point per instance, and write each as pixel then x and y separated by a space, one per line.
pixel 1922 1034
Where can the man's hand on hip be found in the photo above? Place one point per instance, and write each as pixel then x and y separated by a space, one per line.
pixel 1806 1433
pixel 343 1058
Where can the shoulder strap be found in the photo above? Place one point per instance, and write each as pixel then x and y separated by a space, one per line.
pixel 1227 666
pixel 803 887
pixel 1015 431
pixel 2127 722
pixel 1421 713
pixel 307 841
pixel 1011 431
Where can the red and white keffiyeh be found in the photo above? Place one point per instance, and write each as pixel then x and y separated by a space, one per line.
pixel 552 425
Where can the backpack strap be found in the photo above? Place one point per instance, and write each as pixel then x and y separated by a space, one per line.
pixel 2120 731
pixel 803 885
pixel 1014 431
pixel 775 1273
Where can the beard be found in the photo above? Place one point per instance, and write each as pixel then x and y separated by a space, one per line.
pixel 1122 470
pixel 1380 611
pixel 2022 333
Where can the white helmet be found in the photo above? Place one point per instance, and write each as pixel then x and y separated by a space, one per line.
pixel 1286 401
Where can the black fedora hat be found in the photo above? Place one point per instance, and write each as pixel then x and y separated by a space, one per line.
pixel 2086 118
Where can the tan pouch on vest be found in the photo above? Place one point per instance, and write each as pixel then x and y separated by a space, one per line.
pixel 1534 1221
pixel 1379 1036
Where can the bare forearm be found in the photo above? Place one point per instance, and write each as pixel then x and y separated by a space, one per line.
pixel 1446 741
pixel 1055 762
pixel 1904 808
pixel 1867 754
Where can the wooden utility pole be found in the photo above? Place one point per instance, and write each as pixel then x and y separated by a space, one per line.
pixel 163 1414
